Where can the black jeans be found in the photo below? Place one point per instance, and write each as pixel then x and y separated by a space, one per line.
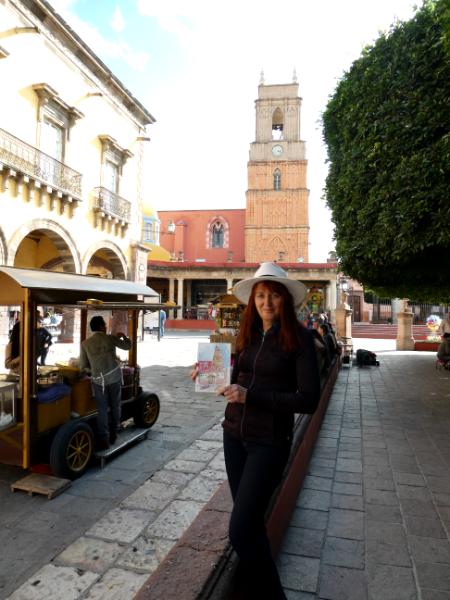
pixel 254 471
pixel 109 396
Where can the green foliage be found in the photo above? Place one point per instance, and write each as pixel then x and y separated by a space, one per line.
pixel 388 137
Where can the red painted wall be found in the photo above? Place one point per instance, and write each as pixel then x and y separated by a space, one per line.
pixel 191 234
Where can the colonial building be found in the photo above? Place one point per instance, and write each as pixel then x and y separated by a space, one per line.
pixel 72 141
pixel 210 250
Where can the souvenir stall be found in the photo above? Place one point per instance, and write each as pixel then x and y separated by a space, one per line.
pixel 228 313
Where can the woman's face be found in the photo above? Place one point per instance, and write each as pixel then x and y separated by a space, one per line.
pixel 268 305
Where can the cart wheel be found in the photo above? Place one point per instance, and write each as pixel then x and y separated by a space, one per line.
pixel 146 409
pixel 71 450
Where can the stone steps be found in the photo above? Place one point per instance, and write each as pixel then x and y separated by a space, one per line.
pixel 385 331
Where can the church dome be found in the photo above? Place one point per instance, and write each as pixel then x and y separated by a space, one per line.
pixel 148 210
pixel 150 233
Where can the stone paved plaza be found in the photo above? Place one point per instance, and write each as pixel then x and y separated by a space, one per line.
pixel 372 520
pixel 80 542
pixel 373 517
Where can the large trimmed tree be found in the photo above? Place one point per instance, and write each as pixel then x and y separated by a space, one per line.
pixel 387 129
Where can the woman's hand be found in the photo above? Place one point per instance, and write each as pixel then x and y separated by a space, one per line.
pixel 233 393
pixel 194 372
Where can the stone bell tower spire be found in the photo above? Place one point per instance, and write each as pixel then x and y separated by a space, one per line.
pixel 277 220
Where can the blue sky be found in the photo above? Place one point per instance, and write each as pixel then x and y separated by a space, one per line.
pixel 196 64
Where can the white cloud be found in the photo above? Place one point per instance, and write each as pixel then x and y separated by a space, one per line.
pixel 176 17
pixel 110 49
pixel 97 42
pixel 176 8
pixel 117 21
pixel 63 5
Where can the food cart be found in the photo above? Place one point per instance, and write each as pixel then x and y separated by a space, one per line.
pixel 48 414
pixel 229 310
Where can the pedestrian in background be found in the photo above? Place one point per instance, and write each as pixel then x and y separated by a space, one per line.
pixel 162 322
pixel 44 341
pixel 275 375
pixel 443 352
pixel 444 326
pixel 322 351
pixel 329 339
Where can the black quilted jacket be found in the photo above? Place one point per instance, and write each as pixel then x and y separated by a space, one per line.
pixel 278 384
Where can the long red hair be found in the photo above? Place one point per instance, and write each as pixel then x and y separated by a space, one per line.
pixel 288 322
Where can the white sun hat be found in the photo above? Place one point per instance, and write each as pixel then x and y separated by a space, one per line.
pixel 270 272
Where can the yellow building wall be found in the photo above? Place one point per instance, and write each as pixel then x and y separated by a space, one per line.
pixel 158 253
pixel 35 58
pixel 35 255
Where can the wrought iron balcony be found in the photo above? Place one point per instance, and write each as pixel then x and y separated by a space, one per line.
pixel 30 161
pixel 109 204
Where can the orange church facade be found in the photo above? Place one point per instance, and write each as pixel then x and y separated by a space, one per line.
pixel 203 235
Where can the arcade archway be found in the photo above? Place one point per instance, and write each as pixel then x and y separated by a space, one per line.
pixel 43 245
pixel 105 260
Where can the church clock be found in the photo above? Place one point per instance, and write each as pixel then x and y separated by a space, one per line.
pixel 277 150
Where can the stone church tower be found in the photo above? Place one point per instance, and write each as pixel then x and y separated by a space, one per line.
pixel 276 220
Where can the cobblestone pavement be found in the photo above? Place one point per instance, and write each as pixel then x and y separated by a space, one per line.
pixel 109 530
pixel 372 520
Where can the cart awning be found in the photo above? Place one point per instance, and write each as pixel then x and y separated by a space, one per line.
pixel 38 279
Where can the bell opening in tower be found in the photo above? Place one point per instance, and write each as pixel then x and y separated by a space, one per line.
pixel 277 124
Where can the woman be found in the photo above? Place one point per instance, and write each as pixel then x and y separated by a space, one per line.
pixel 329 340
pixel 322 351
pixel 44 341
pixel 275 376
pixel 443 352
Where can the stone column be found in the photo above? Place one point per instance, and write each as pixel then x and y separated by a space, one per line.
pixel 138 268
pixel 229 284
pixel 67 326
pixel 180 298
pixel 397 305
pixel 405 340
pixel 344 318
pixel 330 300
pixel 171 295
pixel 4 326
pixel 188 293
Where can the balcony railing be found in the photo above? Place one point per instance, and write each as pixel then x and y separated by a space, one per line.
pixel 36 164
pixel 112 205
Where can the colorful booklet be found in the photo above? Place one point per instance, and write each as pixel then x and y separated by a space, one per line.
pixel 214 367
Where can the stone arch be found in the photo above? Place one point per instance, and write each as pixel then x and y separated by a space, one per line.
pixel 217 220
pixel 68 258
pixel 3 249
pixel 278 249
pixel 113 259
pixel 277 180
pixel 277 124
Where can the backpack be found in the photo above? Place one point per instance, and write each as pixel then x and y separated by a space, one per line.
pixel 366 358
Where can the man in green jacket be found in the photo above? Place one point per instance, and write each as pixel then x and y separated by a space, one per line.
pixel 98 353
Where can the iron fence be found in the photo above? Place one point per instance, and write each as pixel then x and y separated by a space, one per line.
pixel 422 311
pixel 383 313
